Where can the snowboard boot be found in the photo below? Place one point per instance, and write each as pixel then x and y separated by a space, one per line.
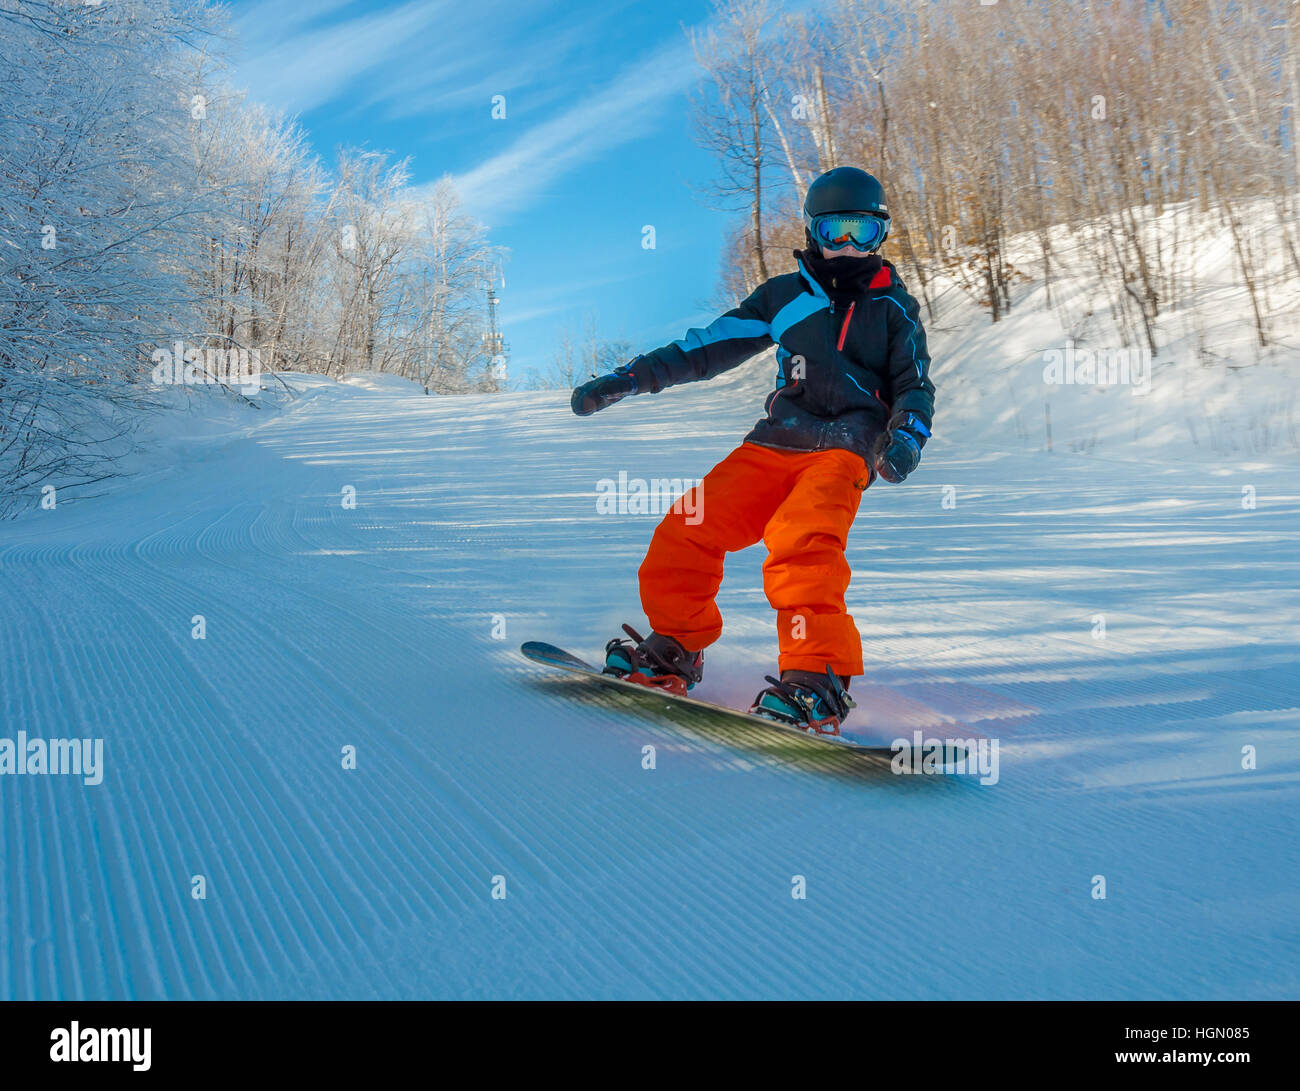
pixel 657 661
pixel 807 700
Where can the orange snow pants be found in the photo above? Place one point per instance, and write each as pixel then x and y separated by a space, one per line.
pixel 801 505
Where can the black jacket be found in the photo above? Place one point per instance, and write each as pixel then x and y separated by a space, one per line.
pixel 850 352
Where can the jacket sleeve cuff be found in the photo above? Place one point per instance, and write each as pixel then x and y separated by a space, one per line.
pixel 636 371
pixel 920 404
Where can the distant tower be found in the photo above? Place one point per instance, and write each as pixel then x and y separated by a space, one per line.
pixel 494 340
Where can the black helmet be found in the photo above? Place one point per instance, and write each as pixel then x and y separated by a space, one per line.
pixel 845 189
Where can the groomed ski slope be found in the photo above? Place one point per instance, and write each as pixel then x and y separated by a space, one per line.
pixel 377 627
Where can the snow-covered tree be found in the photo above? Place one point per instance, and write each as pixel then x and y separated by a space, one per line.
pixel 98 217
pixel 143 203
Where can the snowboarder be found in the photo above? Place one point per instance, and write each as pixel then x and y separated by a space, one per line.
pixel 853 400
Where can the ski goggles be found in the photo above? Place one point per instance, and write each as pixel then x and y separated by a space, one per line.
pixel 860 230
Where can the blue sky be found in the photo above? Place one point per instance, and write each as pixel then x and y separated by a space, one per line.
pixel 597 141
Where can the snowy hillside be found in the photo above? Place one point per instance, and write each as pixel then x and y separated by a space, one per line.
pixel 391 626
pixel 1208 392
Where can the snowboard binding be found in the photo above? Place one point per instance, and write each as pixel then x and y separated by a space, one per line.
pixel 807 700
pixel 656 661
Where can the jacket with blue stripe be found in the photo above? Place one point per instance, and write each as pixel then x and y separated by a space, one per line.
pixel 847 360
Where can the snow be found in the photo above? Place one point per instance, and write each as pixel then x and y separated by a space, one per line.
pixel 1211 390
pixel 379 627
pixel 381 382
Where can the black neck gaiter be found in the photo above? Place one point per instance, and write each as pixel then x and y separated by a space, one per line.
pixel 844 279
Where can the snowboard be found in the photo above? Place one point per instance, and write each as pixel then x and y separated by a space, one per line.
pixel 867 742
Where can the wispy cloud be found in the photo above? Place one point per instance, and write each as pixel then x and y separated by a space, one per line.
pixel 289 62
pixel 599 120
pixel 434 58
pixel 470 64
pixel 418 59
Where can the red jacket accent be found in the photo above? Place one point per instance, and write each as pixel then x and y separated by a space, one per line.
pixel 844 329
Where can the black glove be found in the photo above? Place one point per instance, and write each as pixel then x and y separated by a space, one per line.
pixel 603 391
pixel 898 451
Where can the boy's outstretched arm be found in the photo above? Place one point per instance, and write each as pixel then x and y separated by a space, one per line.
pixel 727 341
pixel 898 451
